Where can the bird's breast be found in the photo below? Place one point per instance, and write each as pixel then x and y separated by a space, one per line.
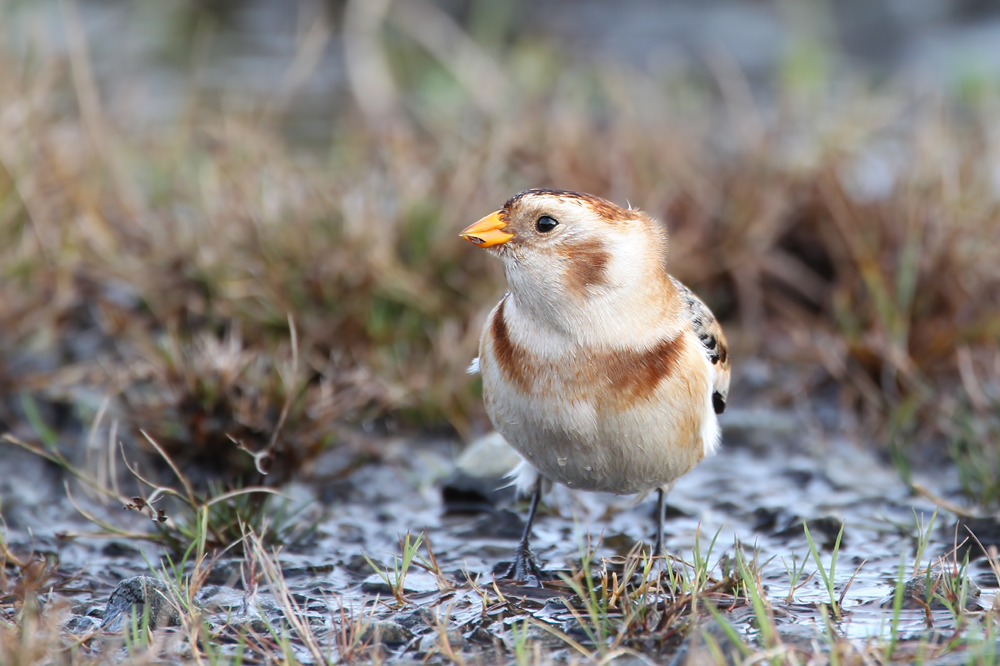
pixel 615 420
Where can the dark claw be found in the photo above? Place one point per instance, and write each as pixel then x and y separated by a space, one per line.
pixel 658 547
pixel 525 568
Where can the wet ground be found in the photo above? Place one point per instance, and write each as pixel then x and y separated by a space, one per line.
pixel 774 472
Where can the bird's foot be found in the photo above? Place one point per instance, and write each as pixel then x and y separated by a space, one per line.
pixel 525 568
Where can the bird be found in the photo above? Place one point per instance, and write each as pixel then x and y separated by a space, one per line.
pixel 604 372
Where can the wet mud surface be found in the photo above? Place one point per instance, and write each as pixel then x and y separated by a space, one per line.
pixel 771 474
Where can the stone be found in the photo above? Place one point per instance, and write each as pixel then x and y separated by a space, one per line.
pixel 386 632
pixel 915 592
pixel 142 596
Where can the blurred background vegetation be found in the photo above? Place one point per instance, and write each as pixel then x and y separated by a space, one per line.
pixel 235 222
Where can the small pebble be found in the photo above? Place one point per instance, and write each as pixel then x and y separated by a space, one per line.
pixel 133 595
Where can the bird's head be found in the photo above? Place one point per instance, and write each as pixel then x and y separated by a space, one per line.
pixel 577 236
pixel 561 247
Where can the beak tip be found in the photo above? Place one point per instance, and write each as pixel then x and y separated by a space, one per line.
pixel 487 232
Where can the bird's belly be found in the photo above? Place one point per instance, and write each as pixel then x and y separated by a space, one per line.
pixel 587 446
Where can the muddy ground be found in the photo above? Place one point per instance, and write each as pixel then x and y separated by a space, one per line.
pixel 776 469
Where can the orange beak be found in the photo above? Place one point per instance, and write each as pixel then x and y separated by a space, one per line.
pixel 487 231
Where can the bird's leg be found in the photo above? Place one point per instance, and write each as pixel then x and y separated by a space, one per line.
pixel 524 566
pixel 661 505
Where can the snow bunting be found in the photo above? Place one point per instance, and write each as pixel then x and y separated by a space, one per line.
pixel 603 371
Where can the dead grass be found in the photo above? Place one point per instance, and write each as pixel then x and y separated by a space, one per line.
pixel 166 266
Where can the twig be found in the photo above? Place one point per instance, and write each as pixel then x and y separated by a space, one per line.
pixel 192 499
pixel 941 502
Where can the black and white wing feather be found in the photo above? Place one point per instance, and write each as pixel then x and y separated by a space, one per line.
pixel 709 332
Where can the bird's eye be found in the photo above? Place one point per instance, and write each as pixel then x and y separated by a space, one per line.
pixel 545 224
